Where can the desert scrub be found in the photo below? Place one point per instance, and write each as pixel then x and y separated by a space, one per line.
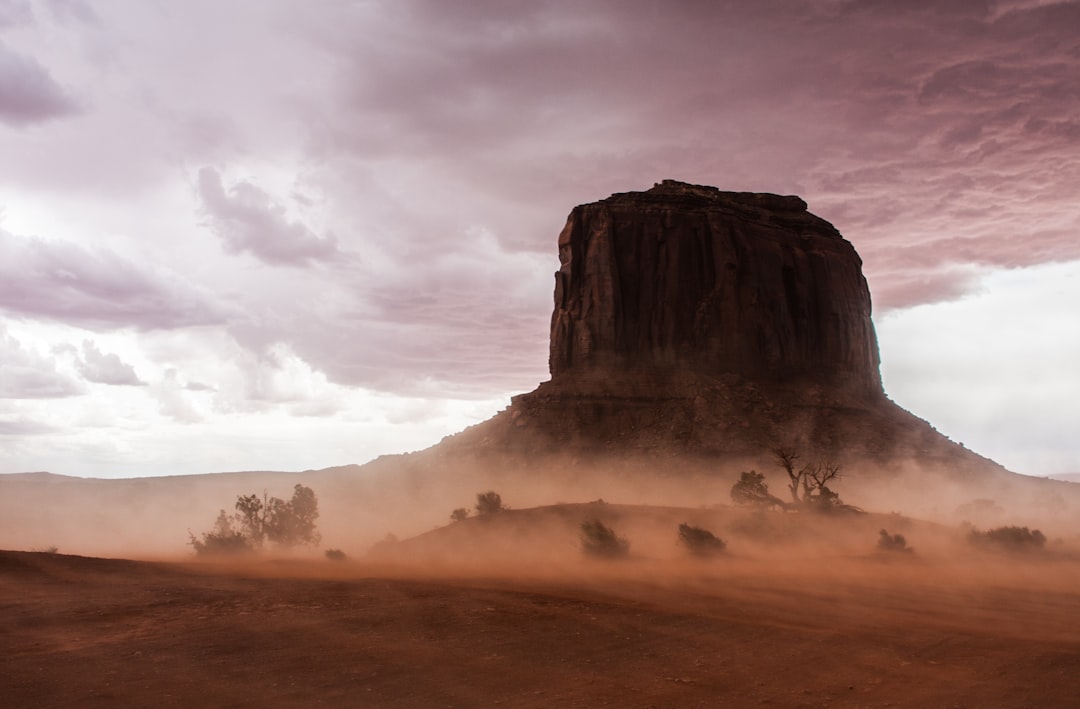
pixel 488 503
pixel 597 539
pixel 699 541
pixel 892 542
pixel 1009 538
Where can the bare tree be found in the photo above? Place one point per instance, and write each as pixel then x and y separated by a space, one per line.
pixel 785 458
pixel 815 487
pixel 809 484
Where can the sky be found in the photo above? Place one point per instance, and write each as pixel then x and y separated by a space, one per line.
pixel 269 234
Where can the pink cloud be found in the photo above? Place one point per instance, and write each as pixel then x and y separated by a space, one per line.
pixel 247 219
pixel 28 94
pixel 95 288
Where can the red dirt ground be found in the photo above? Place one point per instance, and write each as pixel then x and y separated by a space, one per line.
pixel 852 632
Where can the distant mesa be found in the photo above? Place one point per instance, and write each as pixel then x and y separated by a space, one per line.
pixel 692 320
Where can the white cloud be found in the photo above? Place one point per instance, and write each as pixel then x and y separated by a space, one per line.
pixel 101 368
pixel 997 370
pixel 173 403
pixel 27 374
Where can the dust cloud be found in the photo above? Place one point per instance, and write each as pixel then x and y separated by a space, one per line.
pixel 508 607
pixel 410 498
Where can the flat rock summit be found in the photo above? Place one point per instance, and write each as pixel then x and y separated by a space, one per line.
pixel 691 278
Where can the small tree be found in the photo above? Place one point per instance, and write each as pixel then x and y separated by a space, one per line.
pixel 459 514
pixel 256 520
pixel 785 458
pixel 751 489
pixel 251 513
pixel 293 522
pixel 700 541
pixel 598 539
pixel 488 503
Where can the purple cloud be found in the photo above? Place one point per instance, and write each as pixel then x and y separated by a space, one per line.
pixel 247 219
pixel 95 288
pixel 28 94
pixel 14 13
pixel 883 113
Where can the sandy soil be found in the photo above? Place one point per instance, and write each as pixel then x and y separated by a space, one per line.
pixel 872 631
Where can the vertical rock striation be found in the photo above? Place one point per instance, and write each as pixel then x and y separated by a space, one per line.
pixel 690 278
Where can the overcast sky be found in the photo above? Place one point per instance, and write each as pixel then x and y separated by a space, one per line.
pixel 286 235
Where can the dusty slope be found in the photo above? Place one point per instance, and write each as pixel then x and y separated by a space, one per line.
pixel 409 494
pixel 852 632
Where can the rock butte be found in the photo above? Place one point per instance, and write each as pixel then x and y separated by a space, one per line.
pixel 690 320
pixel 692 278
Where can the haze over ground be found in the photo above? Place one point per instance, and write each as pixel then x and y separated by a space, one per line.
pixel 257 236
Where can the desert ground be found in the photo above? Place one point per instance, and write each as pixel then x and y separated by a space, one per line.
pixel 787 622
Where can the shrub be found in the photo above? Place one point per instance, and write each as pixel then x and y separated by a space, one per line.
pixel 459 514
pixel 700 541
pixel 223 540
pixel 335 555
pixel 1009 538
pixel 488 503
pixel 892 542
pixel 598 539
pixel 751 489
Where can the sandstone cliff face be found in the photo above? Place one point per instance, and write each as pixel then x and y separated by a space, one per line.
pixel 689 278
